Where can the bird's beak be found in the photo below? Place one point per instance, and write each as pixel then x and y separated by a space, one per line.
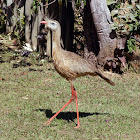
pixel 43 22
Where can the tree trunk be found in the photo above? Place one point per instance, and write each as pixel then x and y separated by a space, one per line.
pixel 28 21
pixel 91 47
pixel 101 31
pixel 67 24
pixel 1 4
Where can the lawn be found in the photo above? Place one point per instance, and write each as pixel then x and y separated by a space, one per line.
pixel 32 91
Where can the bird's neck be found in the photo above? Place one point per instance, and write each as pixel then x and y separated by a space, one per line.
pixel 56 46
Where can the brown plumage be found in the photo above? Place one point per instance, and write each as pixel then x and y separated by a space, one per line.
pixel 69 65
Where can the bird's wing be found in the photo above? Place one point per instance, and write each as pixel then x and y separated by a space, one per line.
pixel 77 64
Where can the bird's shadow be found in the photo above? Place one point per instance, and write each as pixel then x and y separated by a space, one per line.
pixel 69 116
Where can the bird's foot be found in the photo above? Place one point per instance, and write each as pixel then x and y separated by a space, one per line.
pixel 47 123
pixel 76 127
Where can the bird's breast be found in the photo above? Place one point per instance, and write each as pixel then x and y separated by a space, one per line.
pixel 63 69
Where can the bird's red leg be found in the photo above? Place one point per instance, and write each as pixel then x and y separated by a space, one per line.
pixel 48 122
pixel 74 93
pixel 74 96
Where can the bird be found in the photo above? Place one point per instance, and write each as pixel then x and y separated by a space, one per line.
pixel 69 65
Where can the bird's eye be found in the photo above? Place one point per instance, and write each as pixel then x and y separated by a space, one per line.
pixel 53 23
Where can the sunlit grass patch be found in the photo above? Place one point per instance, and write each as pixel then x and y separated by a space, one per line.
pixel 30 95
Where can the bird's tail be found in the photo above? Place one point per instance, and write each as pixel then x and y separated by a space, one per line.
pixel 106 79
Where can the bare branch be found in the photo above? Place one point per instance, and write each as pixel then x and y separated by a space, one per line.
pixel 50 3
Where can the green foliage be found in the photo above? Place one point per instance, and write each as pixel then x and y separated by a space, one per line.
pixel 131 45
pixel 126 17
pixel 2 20
pixel 126 21
pixel 78 3
pixel 19 27
pixel 109 2
pixel 22 20
pixel 35 5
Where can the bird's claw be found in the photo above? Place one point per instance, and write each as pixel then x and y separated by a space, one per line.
pixel 47 123
pixel 76 127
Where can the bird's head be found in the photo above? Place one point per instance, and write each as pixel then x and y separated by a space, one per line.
pixel 51 24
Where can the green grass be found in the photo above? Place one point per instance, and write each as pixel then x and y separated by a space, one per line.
pixel 29 98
